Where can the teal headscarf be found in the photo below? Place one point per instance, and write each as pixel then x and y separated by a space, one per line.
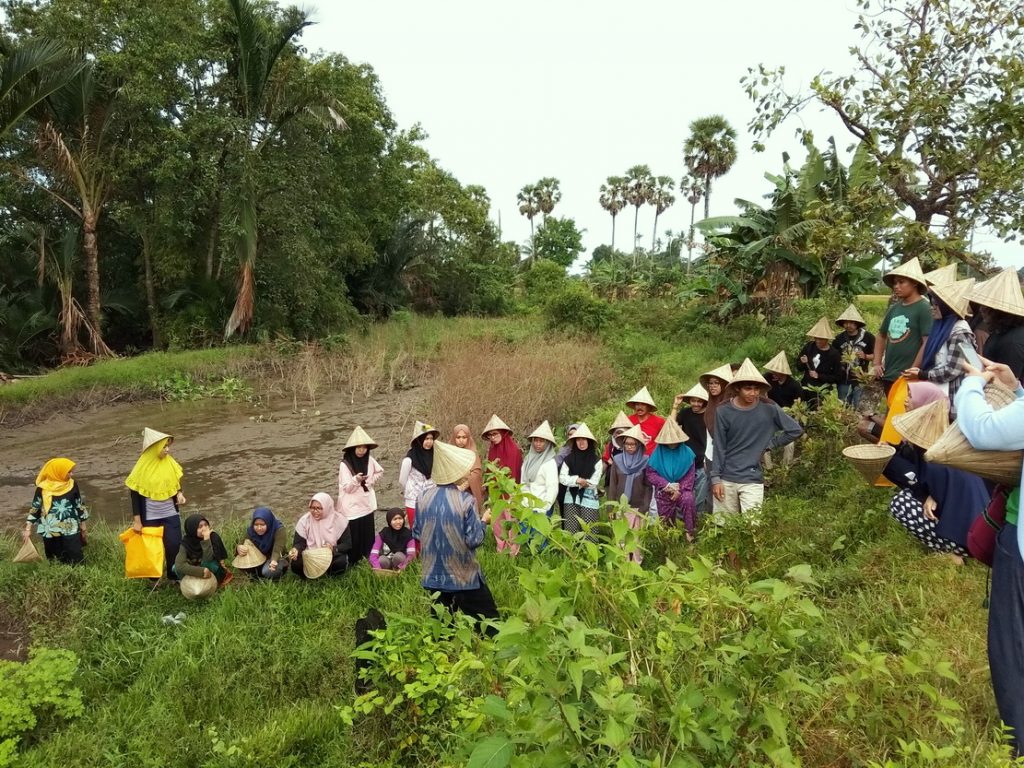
pixel 672 461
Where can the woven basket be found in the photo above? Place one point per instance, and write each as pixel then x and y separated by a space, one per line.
pixel 385 573
pixel 28 553
pixel 953 450
pixel 869 459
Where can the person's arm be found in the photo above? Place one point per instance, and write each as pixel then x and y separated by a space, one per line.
pixel 595 478
pixel 920 353
pixel 374 558
pixel 1013 356
pixel 720 440
pixel 656 481
pixel 346 480
pixel 183 568
pixel 472 529
pixel 569 481
pixel 344 542
pixel 953 367
pixel 924 316
pixel 279 543
pixel 417 525
pixel 606 455
pixel 299 543
pixel 869 346
pixel 376 472
pixel 138 507
pixel 880 341
pixel 403 473
pixel 788 429
pixel 832 370
pixel 987 429
pixel 800 364
pixel 549 485
pixel 410 554
pixel 34 515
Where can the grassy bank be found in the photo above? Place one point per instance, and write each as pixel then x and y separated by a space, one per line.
pixel 838 642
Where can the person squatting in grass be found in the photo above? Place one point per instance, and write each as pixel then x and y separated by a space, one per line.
pixel 393 547
pixel 201 553
pixel 267 534
pixel 321 528
pixel 58 512
pixel 671 472
pixel 745 427
pixel 449 531
pixel 990 430
pixel 357 499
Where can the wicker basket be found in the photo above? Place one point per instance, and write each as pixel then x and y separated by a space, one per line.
pixel 869 459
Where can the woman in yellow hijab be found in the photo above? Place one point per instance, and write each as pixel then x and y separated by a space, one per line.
pixel 58 512
pixel 155 488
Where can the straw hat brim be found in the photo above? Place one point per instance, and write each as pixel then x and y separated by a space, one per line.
pixel 584 431
pixel 152 437
pixel 671 434
pixel 1002 292
pixel 722 372
pixel 821 330
pixel 254 558
pixel 779 364
pixel 644 397
pixel 698 392
pixel 359 437
pixel 193 587
pixel 316 561
pixel 544 432
pixel 451 463
pixel 956 296
pixel 621 422
pixel 634 432
pixel 923 426
pixel 495 424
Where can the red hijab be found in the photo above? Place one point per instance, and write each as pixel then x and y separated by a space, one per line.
pixel 507 454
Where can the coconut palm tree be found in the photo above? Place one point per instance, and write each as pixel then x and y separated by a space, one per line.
pixel 31 72
pixel 661 198
pixel 710 151
pixel 548 195
pixel 529 205
pixel 639 181
pixel 263 106
pixel 613 199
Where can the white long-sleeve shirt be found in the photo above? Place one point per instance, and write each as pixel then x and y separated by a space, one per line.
pixel 544 486
pixel 412 482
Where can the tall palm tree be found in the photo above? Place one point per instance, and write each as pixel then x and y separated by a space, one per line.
pixel 613 199
pixel 662 199
pixel 693 188
pixel 264 105
pixel 710 151
pixel 639 181
pixel 529 205
pixel 30 72
pixel 548 195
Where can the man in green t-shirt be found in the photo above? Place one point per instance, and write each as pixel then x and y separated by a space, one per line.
pixel 906 326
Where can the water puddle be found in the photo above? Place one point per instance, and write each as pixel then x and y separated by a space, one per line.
pixel 235 455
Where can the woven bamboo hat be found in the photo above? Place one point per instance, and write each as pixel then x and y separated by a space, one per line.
pixel 422 428
pixel 316 560
pixel 28 553
pixel 748 374
pixel 544 432
pixel 956 296
pixel 909 269
pixel 584 431
pixel 621 422
pixel 1002 292
pixel 779 364
pixel 194 587
pixel 634 432
pixel 252 559
pixel 953 449
pixel 643 396
pixel 696 391
pixel 850 315
pixel 942 275
pixel 359 437
pixel 923 426
pixel 723 372
pixel 494 425
pixel 451 463
pixel 671 434
pixel 821 330
pixel 869 459
pixel 152 437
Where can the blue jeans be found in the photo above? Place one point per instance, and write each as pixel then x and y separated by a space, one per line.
pixel 850 394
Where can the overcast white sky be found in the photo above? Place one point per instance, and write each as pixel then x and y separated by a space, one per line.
pixel 511 92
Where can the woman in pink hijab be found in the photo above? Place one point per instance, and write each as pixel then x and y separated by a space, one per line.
pixel 321 527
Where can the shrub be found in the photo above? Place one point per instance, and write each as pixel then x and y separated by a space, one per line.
pixel 575 310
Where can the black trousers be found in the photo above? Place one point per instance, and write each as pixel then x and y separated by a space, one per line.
pixel 66 549
pixel 363 533
pixel 478 603
pixel 1006 632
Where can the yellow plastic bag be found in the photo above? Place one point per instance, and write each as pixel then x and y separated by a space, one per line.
pixel 897 404
pixel 143 553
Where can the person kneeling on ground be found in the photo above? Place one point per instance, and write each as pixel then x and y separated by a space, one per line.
pixel 266 533
pixel 202 553
pixel 323 530
pixel 393 548
pixel 745 427
pixel 449 532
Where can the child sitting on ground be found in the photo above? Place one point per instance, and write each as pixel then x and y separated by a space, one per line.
pixel 393 548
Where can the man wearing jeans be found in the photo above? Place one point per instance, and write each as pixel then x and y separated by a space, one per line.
pixel 746 425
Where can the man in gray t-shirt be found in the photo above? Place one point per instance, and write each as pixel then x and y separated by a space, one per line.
pixel 746 425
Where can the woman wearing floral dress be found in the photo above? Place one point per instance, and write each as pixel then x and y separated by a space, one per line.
pixel 58 513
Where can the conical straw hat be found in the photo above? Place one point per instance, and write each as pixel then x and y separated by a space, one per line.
pixel 698 392
pixel 822 329
pixel 193 587
pixel 868 459
pixel 316 560
pixel 723 372
pixel 584 431
pixel 942 275
pixel 923 426
pixel 953 449
pixel 1002 292
pixel 254 558
pixel 621 422
pixel 850 314
pixel 495 425
pixel 643 396
pixel 451 463
pixel 422 428
pixel 748 374
pixel 956 296
pixel 779 364
pixel 910 270
pixel 28 553
pixel 671 434
pixel 544 432
pixel 151 437
pixel 636 433
pixel 359 437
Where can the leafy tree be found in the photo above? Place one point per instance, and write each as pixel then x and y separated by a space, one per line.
pixel 529 206
pixel 613 198
pixel 31 71
pixel 661 198
pixel 548 195
pixel 639 183
pixel 932 96
pixel 559 241
pixel 709 152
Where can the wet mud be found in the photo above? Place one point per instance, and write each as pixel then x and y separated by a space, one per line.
pixel 236 456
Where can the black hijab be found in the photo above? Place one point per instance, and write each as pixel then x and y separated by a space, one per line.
pixel 396 541
pixel 194 545
pixel 581 464
pixel 359 466
pixel 422 458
